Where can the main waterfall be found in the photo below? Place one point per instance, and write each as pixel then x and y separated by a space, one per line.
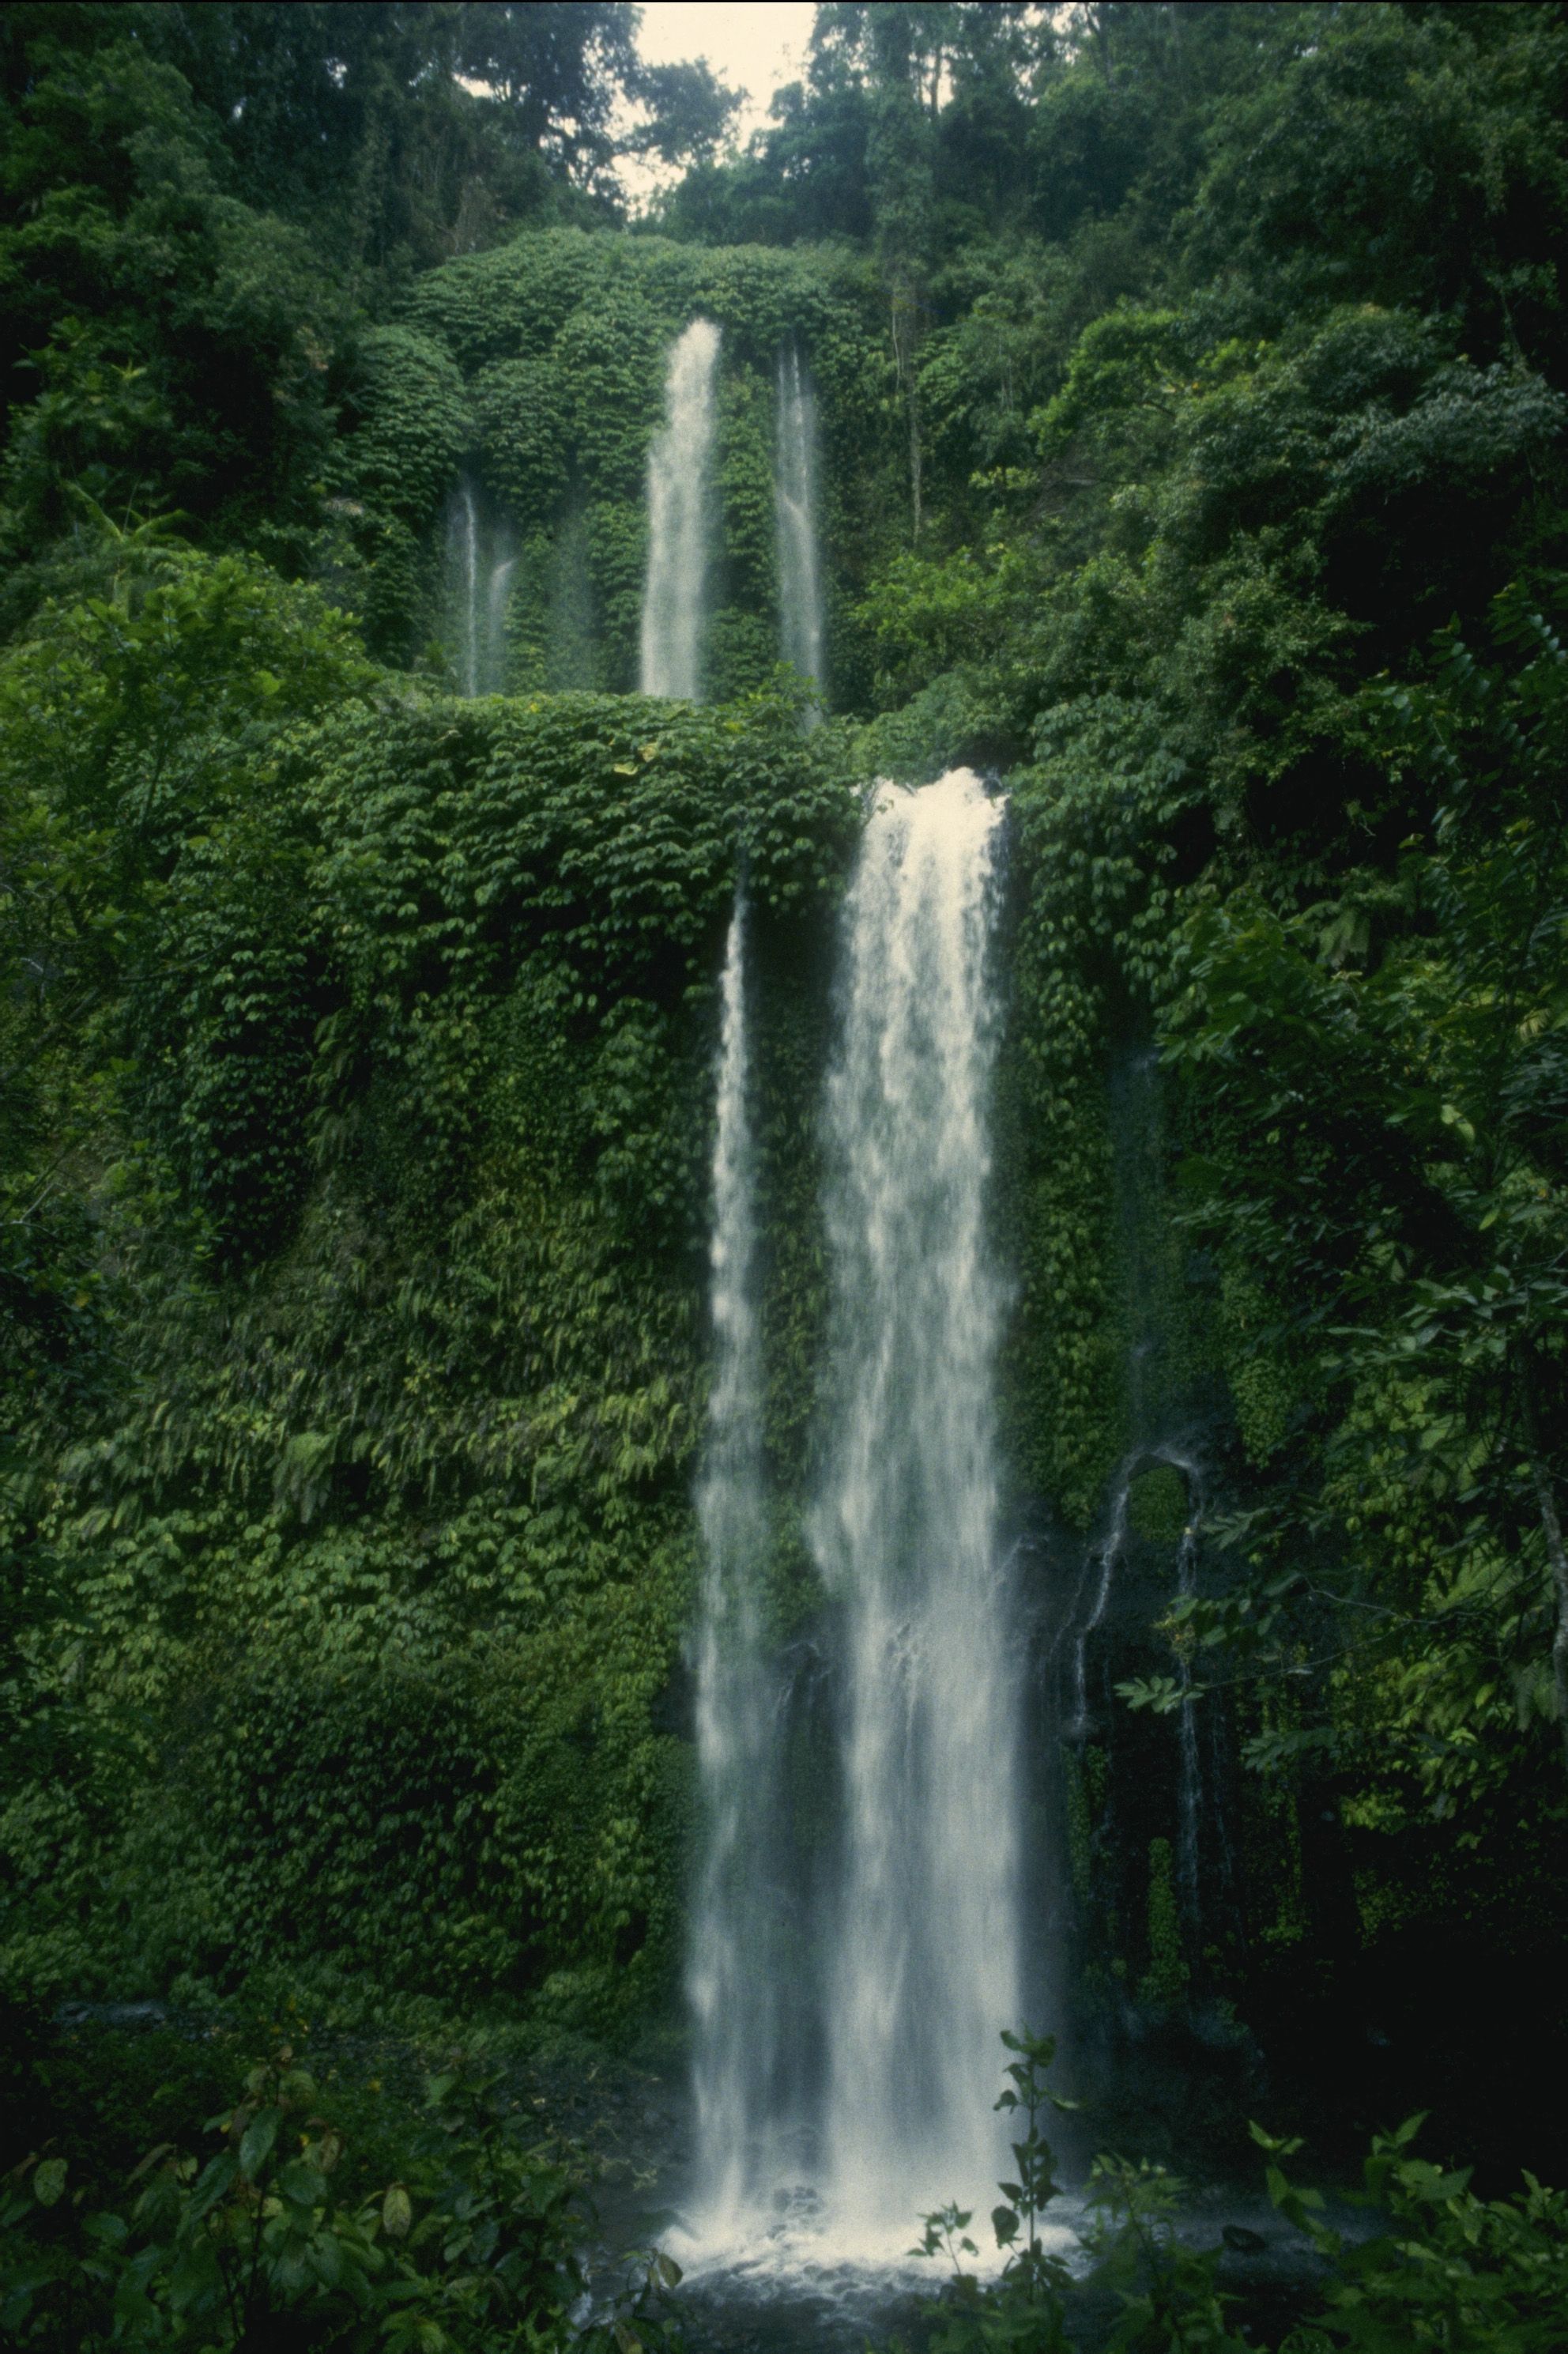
pixel 680 491
pixel 924 1967
pixel 847 2021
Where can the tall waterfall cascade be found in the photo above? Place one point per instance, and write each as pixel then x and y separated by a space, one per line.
pixel 733 1979
pixel 893 1971
pixel 924 1972
pixel 463 565
pixel 680 520
pixel 795 513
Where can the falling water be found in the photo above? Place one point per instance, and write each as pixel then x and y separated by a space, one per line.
pixel 795 509
pixel 1189 1789
pixel 463 563
pixel 1103 1562
pixel 923 1969
pixel 481 561
pixel 492 675
pixel 680 469
pixel 733 1978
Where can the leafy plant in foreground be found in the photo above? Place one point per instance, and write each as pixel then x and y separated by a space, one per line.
pixel 480 2245
pixel 1447 2271
pixel 1025 2307
pixel 1450 2270
pixel 1170 2300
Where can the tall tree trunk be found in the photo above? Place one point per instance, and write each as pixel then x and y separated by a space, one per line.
pixel 914 398
pixel 1552 1529
pixel 906 321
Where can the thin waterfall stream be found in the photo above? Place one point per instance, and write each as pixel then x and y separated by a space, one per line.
pixel 733 1978
pixel 463 567
pixel 482 559
pixel 795 515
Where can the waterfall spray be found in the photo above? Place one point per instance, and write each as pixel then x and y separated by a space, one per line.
pixel 481 558
pixel 680 468
pixel 492 679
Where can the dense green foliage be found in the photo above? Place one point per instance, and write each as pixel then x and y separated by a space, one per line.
pixel 1450 2270
pixel 275 2239
pixel 385 1097
pixel 1192 384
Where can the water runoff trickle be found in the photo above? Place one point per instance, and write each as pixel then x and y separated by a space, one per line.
pixel 847 2025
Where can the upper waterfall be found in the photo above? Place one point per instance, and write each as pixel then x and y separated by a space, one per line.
pixel 680 492
pixel 462 567
pixel 481 558
pixel 795 511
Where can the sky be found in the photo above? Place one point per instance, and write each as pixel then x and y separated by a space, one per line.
pixel 752 45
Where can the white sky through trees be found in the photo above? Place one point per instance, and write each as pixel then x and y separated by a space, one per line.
pixel 753 46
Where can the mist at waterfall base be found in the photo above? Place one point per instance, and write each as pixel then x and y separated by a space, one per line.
pixel 847 2015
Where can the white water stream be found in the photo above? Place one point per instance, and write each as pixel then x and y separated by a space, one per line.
pixel 795 515
pixel 734 1977
pixel 463 564
pixel 924 1971
pixel 847 2053
pixel 481 562
pixel 679 496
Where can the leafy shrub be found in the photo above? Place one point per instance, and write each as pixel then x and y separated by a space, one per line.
pixel 479 2243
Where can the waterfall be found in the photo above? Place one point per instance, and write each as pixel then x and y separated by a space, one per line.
pixel 795 512
pixel 1103 1560
pixel 848 1991
pixel 680 469
pixel 1192 1813
pixel 463 565
pixel 923 1966
pixel 493 669
pixel 480 561
pixel 733 1979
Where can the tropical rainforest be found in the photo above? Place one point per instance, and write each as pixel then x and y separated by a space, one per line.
pixel 1193 386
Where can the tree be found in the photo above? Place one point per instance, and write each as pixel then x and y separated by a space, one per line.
pixel 1384 1083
